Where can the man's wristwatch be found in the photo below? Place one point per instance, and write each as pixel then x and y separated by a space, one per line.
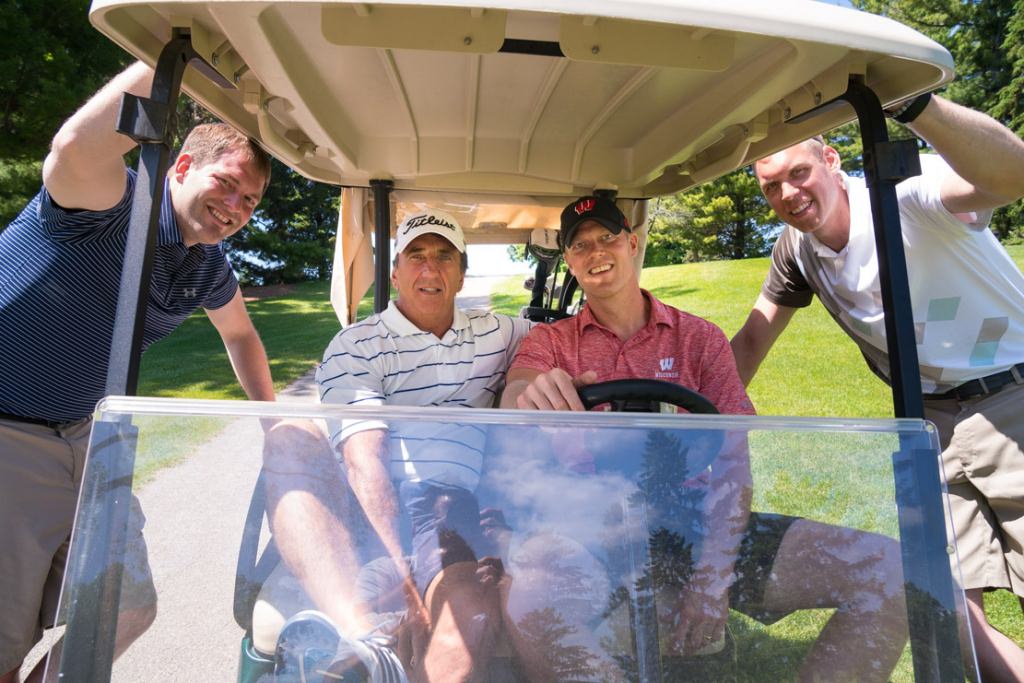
pixel 907 111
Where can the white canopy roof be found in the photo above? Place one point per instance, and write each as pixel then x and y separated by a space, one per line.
pixel 502 111
pixel 652 96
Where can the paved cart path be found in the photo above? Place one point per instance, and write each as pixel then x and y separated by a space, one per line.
pixel 194 513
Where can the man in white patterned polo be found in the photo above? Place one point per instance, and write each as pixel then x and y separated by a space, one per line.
pixel 968 304
pixel 421 351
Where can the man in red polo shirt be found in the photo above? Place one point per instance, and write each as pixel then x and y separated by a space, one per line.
pixel 622 332
pixel 764 565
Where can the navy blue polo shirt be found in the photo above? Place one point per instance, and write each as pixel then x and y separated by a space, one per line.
pixel 60 272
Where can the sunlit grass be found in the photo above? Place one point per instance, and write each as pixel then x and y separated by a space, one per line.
pixel 295 329
pixel 192 363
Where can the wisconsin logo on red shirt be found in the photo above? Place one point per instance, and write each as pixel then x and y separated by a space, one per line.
pixel 666 369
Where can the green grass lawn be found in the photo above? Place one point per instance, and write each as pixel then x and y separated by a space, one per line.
pixel 192 363
pixel 295 329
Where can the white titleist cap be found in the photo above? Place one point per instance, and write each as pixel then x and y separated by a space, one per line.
pixel 436 222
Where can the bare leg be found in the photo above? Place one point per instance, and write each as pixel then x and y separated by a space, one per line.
pixel 131 624
pixel 304 498
pixel 465 617
pixel 858 573
pixel 999 658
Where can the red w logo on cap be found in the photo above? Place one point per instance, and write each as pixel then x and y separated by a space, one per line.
pixel 583 206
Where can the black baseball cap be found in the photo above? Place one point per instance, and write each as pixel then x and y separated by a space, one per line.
pixel 585 209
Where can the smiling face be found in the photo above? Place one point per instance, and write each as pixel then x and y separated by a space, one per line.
pixel 601 260
pixel 804 187
pixel 215 200
pixel 428 274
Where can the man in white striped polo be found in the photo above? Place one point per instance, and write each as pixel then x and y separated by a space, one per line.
pixel 60 268
pixel 421 351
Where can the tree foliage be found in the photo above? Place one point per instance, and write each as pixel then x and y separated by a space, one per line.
pixel 291 236
pixel 51 60
pixel 986 40
pixel 724 219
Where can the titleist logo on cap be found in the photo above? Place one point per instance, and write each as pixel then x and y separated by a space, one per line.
pixel 417 221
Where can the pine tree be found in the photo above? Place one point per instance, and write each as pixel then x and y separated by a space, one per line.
pixel 291 236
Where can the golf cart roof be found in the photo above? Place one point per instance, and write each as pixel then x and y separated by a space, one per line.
pixel 651 96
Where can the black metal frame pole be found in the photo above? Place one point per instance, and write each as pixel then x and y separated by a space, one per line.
pixel 927 575
pixel 96 557
pixel 928 579
pixel 382 243
pixel 148 122
pixel 885 165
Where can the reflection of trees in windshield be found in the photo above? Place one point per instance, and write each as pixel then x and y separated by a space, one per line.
pixel 652 548
pixel 645 547
pixel 546 630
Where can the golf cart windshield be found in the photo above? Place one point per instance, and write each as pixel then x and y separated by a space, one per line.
pixel 598 520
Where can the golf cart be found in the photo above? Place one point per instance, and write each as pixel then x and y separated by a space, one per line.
pixel 500 114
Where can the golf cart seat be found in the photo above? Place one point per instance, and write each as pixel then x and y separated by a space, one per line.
pixel 252 569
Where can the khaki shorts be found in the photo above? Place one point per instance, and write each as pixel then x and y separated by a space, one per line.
pixel 40 476
pixel 983 462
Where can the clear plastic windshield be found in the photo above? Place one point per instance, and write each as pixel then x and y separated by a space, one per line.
pixel 227 541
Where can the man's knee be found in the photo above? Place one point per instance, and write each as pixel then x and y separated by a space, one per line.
pixel 465 624
pixel 471 604
pixel 132 623
pixel 298 447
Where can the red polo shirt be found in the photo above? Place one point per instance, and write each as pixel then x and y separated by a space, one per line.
pixel 673 346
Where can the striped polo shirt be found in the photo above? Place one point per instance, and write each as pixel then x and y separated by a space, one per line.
pixel 387 360
pixel 60 272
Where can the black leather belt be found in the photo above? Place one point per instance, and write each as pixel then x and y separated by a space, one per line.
pixel 52 424
pixel 982 385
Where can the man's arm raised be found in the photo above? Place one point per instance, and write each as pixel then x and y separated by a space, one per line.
pixel 85 167
pixel 988 157
pixel 755 339
pixel 245 350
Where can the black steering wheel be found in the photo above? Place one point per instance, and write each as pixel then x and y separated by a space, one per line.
pixel 643 396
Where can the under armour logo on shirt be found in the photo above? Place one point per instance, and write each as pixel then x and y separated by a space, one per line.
pixel 190 292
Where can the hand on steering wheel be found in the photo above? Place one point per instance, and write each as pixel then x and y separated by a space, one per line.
pixel 644 395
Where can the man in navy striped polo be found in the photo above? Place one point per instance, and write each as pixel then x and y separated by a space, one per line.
pixel 420 351
pixel 60 267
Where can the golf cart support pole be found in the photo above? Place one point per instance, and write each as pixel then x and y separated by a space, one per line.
pixel 381 242
pixel 927 575
pixel 96 561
